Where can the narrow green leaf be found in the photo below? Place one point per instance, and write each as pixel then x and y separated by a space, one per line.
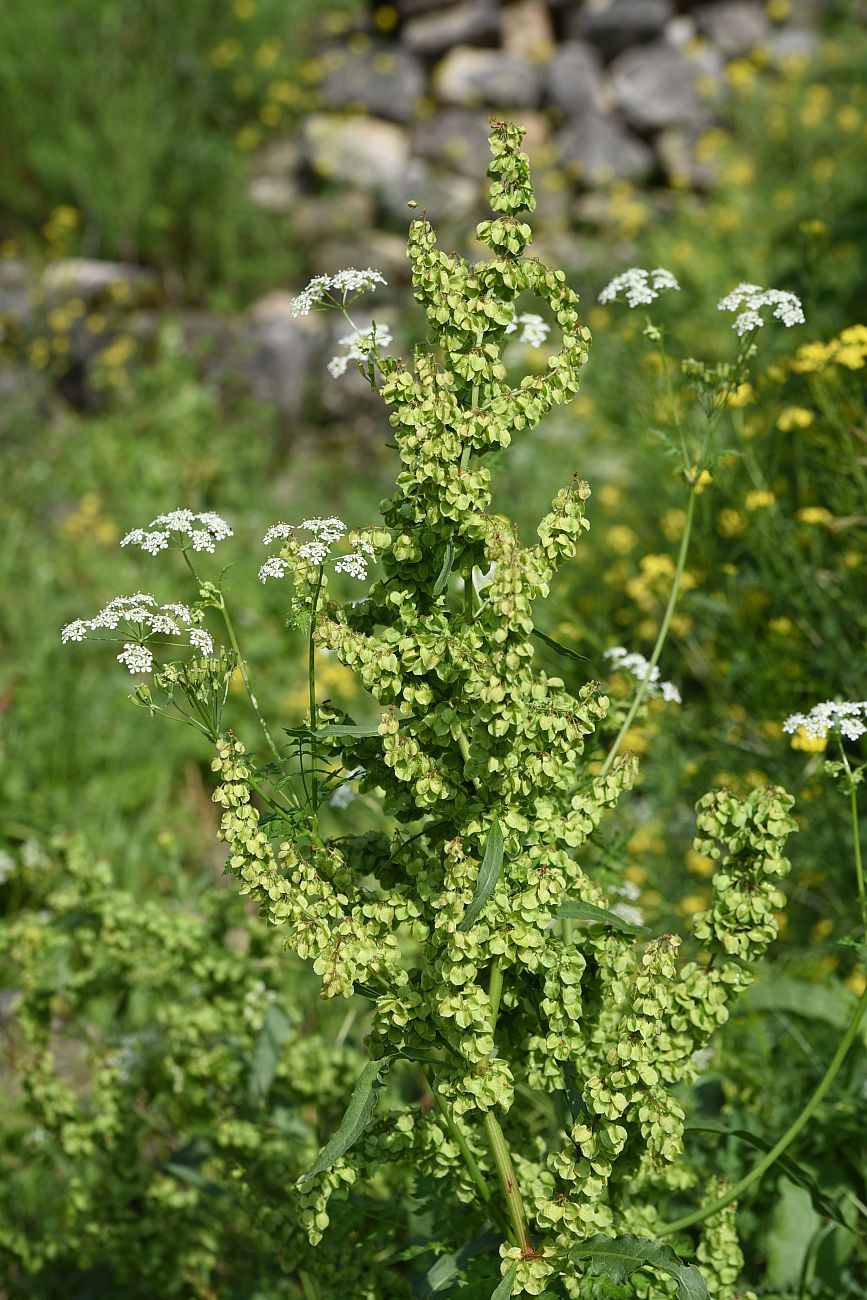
pixel 440 584
pixel 489 874
pixel 558 648
pixel 275 1030
pixel 450 1268
pixel 620 1257
pixel 833 1005
pixel 341 729
pixel 504 1290
pixel 572 909
pixel 823 1204
pixel 358 1115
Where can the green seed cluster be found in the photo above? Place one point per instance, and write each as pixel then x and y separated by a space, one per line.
pixel 474 736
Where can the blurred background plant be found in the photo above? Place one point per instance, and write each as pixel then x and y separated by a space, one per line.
pixel 131 132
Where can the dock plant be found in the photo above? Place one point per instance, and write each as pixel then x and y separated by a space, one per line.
pixel 530 1048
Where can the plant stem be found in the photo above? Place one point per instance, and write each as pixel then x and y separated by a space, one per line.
pixel 472 1164
pixel 707 1211
pixel 859 865
pixel 495 991
pixel 508 1182
pixel 661 637
pixel 230 628
pixel 311 683
pixel 308 1286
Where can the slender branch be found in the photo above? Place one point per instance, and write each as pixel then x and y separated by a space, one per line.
pixel 662 636
pixel 508 1182
pixel 707 1211
pixel 311 683
pixel 471 1163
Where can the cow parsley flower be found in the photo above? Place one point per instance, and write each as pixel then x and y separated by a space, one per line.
pixel 847 718
pixel 359 344
pixel 344 794
pixel 749 299
pixel 182 527
pixel 535 331
pixel 335 290
pixel 638 667
pixel 640 287
pixel 326 533
pixel 140 621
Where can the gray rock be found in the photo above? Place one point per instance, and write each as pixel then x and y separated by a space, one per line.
pixel 89 278
pixel 362 151
pixel 385 80
pixel 596 149
pixel 280 158
pixel 675 149
pixel 329 215
pixel 527 29
pixel 621 24
pixel 655 87
pixel 734 26
pixel 273 194
pixel 444 195
pixel 788 41
pixel 281 352
pixel 17 284
pixel 471 77
pixel 456 138
pixel 432 33
pixel 571 79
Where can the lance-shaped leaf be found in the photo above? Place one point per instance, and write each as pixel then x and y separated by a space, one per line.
pixel 823 1204
pixel 559 649
pixel 443 577
pixel 276 1028
pixel 358 1115
pixel 620 1257
pixel 504 1290
pixel 573 909
pixel 489 874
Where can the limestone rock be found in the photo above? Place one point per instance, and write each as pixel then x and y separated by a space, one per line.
pixel 385 80
pixel 621 24
pixel 527 29
pixel 598 150
pixel 734 26
pixel 444 195
pixel 456 138
pixel 89 278
pixel 471 77
pixel 675 148
pixel 272 194
pixel 654 86
pixel 325 216
pixel 432 33
pixel 363 151
pixel 572 79
pixel 282 348
pixel 17 283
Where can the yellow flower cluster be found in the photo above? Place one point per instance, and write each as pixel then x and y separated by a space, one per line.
pixel 848 349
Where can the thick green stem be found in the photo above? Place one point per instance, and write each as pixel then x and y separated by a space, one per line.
pixel 508 1182
pixel 472 1164
pixel 707 1211
pixel 495 991
pixel 644 684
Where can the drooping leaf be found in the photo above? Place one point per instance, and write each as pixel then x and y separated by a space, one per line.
pixel 620 1257
pixel 450 1268
pixel 823 1204
pixel 504 1290
pixel 276 1028
pixel 443 576
pixel 573 909
pixel 574 1097
pixel 489 874
pixel 334 729
pixel 358 1115
pixel 558 648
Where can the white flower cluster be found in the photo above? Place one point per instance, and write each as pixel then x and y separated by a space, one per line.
pixel 337 287
pixel 535 330
pixel 358 345
pixel 326 532
pixel 141 618
pixel 639 286
pixel 749 299
pixel 635 664
pixel 628 893
pixel 203 530
pixel 344 794
pixel 847 718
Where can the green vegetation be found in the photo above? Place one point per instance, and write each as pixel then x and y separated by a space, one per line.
pixel 172 1069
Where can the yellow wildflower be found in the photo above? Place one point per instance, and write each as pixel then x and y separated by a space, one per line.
pixel 809 744
pixel 794 417
pixel 731 523
pixel 814 515
pixel 759 499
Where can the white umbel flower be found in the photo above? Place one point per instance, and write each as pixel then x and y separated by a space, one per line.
pixel 639 287
pixel 137 658
pixel 535 331
pixel 847 718
pixel 637 666
pixel 202 530
pixel 339 289
pixel 749 299
pixel 140 621
pixel 318 548
pixel 359 344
